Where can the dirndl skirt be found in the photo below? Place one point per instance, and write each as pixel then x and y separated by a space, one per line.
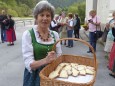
pixel 32 79
pixel 11 36
pixel 112 58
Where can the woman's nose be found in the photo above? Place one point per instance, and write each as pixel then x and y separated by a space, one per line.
pixel 45 17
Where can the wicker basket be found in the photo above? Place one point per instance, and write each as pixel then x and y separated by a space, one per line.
pixel 45 81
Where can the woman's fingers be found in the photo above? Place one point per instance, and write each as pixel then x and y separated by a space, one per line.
pixel 51 56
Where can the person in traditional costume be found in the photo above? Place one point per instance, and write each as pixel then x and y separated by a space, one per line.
pixel 112 54
pixel 10 31
pixel 37 44
pixel 110 37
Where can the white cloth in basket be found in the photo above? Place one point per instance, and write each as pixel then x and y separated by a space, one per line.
pixel 78 79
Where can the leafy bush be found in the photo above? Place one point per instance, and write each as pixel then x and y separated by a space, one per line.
pixel 12 12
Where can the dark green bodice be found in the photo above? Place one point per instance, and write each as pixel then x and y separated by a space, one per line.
pixel 40 50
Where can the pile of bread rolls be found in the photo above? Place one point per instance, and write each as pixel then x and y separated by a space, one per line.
pixel 64 70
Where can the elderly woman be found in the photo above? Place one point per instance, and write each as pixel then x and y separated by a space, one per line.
pixel 37 44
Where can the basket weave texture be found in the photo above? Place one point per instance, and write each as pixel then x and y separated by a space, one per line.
pixel 82 60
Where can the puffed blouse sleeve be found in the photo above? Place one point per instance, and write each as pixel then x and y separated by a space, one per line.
pixel 27 50
pixel 58 46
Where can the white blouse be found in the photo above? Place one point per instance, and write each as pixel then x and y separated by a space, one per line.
pixel 70 23
pixel 27 48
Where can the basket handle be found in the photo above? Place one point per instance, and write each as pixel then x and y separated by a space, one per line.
pixel 84 42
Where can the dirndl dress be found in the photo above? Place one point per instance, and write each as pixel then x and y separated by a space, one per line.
pixel 32 79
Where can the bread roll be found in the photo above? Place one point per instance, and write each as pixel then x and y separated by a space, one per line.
pixel 74 64
pixel 63 64
pixel 89 67
pixel 63 74
pixel 68 67
pixel 75 72
pixel 69 72
pixel 80 68
pixel 53 74
pixel 90 72
pixel 82 72
pixel 58 69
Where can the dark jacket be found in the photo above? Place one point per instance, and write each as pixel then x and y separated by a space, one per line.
pixel 2 18
pixel 77 25
pixel 10 23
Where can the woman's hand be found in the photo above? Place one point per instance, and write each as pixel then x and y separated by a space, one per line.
pixel 112 25
pixel 107 25
pixel 50 57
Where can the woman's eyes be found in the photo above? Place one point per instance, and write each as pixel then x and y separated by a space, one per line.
pixel 48 15
pixel 42 15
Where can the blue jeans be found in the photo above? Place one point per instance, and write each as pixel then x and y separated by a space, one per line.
pixel 69 34
pixel 3 35
pixel 92 40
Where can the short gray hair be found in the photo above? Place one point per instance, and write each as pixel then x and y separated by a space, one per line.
pixel 43 6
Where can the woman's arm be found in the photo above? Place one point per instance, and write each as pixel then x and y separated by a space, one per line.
pixel 58 46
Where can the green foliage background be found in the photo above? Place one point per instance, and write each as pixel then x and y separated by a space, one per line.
pixel 23 8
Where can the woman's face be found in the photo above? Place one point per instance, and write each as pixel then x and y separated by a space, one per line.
pixel 44 19
pixel 92 14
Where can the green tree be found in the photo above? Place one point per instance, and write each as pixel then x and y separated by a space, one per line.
pixel 12 12
pixel 78 8
pixel 58 10
pixel 81 11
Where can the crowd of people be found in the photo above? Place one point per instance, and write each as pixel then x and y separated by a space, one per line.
pixel 94 23
pixel 66 25
pixel 7 29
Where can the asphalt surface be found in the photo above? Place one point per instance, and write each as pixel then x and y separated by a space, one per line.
pixel 12 65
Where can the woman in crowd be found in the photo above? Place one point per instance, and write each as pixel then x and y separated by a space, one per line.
pixel 37 44
pixel 69 26
pixel 63 33
pixel 112 55
pixel 110 37
pixel 10 32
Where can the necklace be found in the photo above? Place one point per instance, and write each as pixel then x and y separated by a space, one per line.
pixel 44 38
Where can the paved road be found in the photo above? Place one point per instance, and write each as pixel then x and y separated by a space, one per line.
pixel 12 66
